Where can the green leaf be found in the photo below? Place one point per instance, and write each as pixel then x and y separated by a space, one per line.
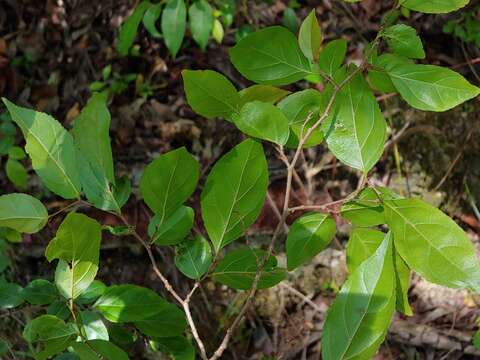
pixel 234 193
pixel 59 309
pixel 434 6
pixel 91 137
pixel 378 77
pixel 93 326
pixel 210 94
pixel 239 267
pixel 263 93
pixel 92 348
pixel 168 321
pixel 40 292
pixel 270 56
pixel 173 21
pixel 358 320
pixel 78 239
pixel 128 303
pixel 16 173
pixel 129 28
pixel 52 333
pixel 366 209
pixel 22 213
pixel 51 149
pixel 217 31
pixel 404 41
pixel 356 131
pixel 72 280
pixel 11 295
pixel 92 293
pixel 310 37
pixel 264 121
pixel 150 18
pixel 5 348
pixel 177 347
pixel 297 107
pixel 290 20
pixel 174 229
pixel 332 56
pixel 16 153
pixel 194 257
pixel 200 16
pixel 430 87
pixel 362 244
pixel 432 244
pixel 168 181
pixel 308 235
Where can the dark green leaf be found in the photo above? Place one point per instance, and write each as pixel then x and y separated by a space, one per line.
pixel 174 229
pixel 194 257
pixel 22 213
pixel 40 292
pixel 200 16
pixel 93 348
pixel 404 41
pixel 16 173
pixel 174 17
pixel 129 28
pixel 178 347
pixel 168 321
pixel 16 153
pixel 310 37
pixel 290 20
pixel 59 309
pixel 11 295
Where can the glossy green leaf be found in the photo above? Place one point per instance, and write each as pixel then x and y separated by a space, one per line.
pixel 150 18
pixel 264 93
pixel 434 6
pixel 50 148
pixel 263 121
pixel 72 280
pixel 93 326
pixel 168 181
pixel 11 295
pixel 128 303
pixel 298 107
pixel 432 244
pixel 129 28
pixel 404 41
pixel 310 37
pixel 332 56
pixel 210 94
pixel 200 16
pixel 309 234
pixel 174 229
pixel 270 56
pixel 22 213
pixel 177 347
pixel 239 267
pixel 16 173
pixel 430 87
pixel 40 292
pixel 52 333
pixel 359 318
pixel 234 193
pixel 194 257
pixel 173 22
pixel 92 293
pixel 93 348
pixel 356 131
pixel 168 321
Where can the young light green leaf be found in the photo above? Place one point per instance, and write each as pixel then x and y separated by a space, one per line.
pixel 173 229
pixel 150 18
pixel 173 21
pixel 356 131
pixel 16 173
pixel 263 121
pixel 93 326
pixel 22 213
pixel 358 320
pixel 11 295
pixel 168 181
pixel 264 93
pixel 200 16
pixel 194 257
pixel 217 31
pixel 129 28
pixel 168 321
pixel 92 348
pixel 310 37
pixel 234 193
pixel 430 87
pixel 128 303
pixel 298 108
pixel 270 56
pixel 308 235
pixel 404 41
pixel 432 244
pixel 434 6
pixel 73 280
pixel 239 267
pixel 51 149
pixel 40 292
pixel 178 347
pixel 332 56
pixel 210 94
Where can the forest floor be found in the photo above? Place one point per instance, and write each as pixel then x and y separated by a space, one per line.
pixel 49 55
